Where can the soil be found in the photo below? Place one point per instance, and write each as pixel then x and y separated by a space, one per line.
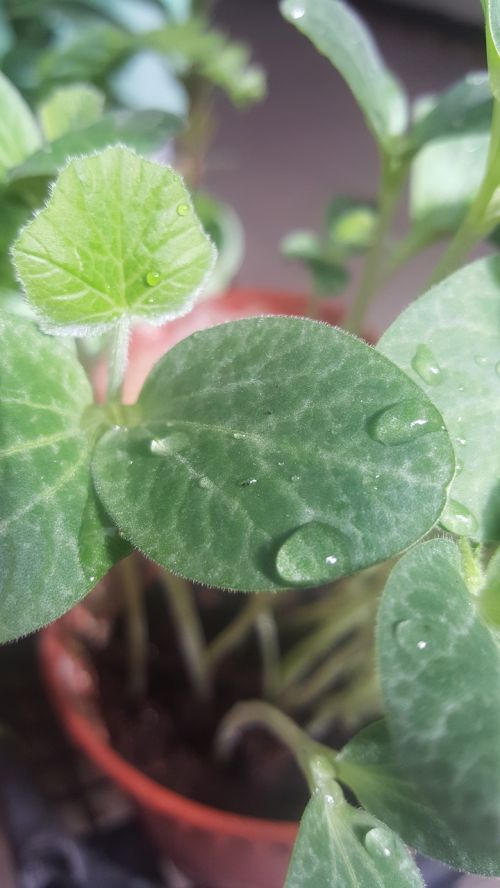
pixel 169 734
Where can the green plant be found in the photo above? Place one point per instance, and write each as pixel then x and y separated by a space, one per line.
pixel 276 454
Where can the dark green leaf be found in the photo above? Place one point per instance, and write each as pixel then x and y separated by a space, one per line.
pixel 440 673
pixel 339 33
pixel 449 342
pixel 465 106
pixel 368 765
pixel 281 439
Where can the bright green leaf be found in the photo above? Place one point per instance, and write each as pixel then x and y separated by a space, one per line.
pixel 48 512
pixel 339 33
pixel 69 108
pixel 118 240
pixel 440 674
pixel 295 426
pixel 449 342
pixel 368 765
pixel 465 106
pixel 19 134
pixel 339 846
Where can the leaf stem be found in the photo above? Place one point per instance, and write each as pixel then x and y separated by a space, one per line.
pixel 394 172
pixel 475 224
pixel 118 357
pixel 267 635
pixel 189 631
pixel 136 626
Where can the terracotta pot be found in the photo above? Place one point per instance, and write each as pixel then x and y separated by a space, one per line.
pixel 215 848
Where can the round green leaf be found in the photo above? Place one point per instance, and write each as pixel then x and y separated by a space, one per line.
pixel 339 33
pixel 449 342
pixel 119 239
pixel 368 766
pixel 55 539
pixel 339 846
pixel 275 444
pixel 19 135
pixel 440 674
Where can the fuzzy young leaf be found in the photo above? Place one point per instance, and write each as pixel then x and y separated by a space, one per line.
pixel 449 342
pixel 19 135
pixel 70 107
pixel 118 240
pixel 368 766
pixel 338 32
pixel 275 452
pixel 339 846
pixel 440 672
pixel 49 511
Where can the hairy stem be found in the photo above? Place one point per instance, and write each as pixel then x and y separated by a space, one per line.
pixel 117 364
pixel 267 636
pixel 189 631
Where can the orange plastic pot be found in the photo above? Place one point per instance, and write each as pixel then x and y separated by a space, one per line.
pixel 213 847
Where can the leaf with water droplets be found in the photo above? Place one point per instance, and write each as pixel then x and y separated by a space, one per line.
pixel 19 134
pixel 440 673
pixel 54 543
pixel 367 764
pixel 279 429
pixel 338 32
pixel 339 846
pixel 112 220
pixel 449 342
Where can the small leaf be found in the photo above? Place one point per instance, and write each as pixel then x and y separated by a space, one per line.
pixel 69 108
pixel 368 766
pixel 339 33
pixel 339 846
pixel 449 342
pixel 225 231
pixel 492 22
pixel 440 672
pixel 118 239
pixel 463 107
pixel 48 509
pixel 19 135
pixel 284 430
pixel 88 55
pixel 351 225
pixel 146 131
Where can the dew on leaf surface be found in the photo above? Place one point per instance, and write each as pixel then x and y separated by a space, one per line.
pixel 404 421
pixel 459 519
pixel 312 554
pixel 153 278
pixel 170 444
pixel 182 209
pixel 380 842
pixel 411 635
pixel 425 365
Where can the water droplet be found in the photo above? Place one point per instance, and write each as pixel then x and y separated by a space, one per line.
pixel 170 444
pixel 404 421
pixel 459 467
pixel 204 483
pixel 248 482
pixel 92 579
pixel 410 634
pixel 497 368
pixel 313 553
pixel 239 435
pixel 461 441
pixel 459 519
pixel 294 477
pixel 281 463
pixel 426 366
pixel 182 209
pixel 153 278
pixel 297 12
pixel 380 842
pixel 480 360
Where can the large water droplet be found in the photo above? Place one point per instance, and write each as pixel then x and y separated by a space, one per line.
pixel 248 482
pixel 170 444
pixel 297 11
pixel 182 209
pixel 404 421
pixel 411 635
pixel 314 553
pixel 480 360
pixel 426 366
pixel 459 519
pixel 380 842
pixel 153 278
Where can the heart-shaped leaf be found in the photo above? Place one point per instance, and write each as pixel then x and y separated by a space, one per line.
pixel 70 107
pixel 440 674
pixel 338 32
pixel 368 766
pixel 289 442
pixel 339 846
pixel 118 240
pixel 19 135
pixel 55 540
pixel 449 342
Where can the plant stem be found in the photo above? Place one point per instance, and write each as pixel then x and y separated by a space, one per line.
pixel 392 178
pixel 136 623
pixel 189 631
pixel 118 359
pixel 267 635
pixel 234 632
pixel 474 226
pixel 353 705
pixel 256 712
